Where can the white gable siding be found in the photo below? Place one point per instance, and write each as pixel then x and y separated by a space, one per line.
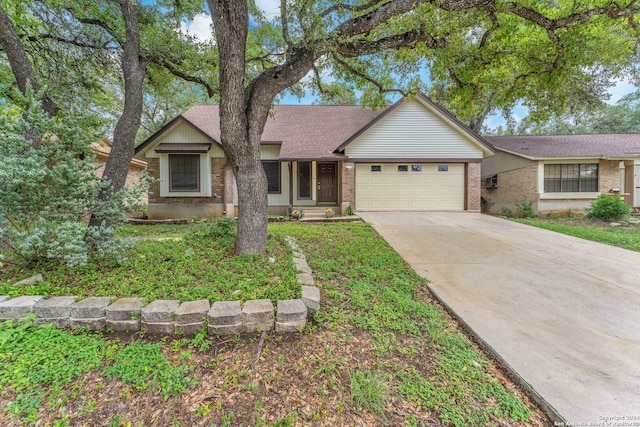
pixel 412 131
pixel 184 133
pixel 269 152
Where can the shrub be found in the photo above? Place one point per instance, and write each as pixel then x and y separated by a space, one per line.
pixel 525 209
pixel 608 208
pixel 506 212
pixel 48 190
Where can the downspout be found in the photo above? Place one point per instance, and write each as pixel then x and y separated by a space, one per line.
pixel 290 165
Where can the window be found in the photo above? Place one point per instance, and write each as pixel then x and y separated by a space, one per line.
pixel 304 180
pixel 403 168
pixel 376 168
pixel 490 181
pixel 571 178
pixel 443 168
pixel 184 172
pixel 272 170
pixel 416 168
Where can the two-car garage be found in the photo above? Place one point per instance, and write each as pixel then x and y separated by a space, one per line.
pixel 410 186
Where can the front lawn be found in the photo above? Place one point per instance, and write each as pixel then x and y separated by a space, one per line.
pixel 626 236
pixel 380 352
pixel 184 262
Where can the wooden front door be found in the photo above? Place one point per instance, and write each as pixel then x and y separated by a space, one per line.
pixel 327 183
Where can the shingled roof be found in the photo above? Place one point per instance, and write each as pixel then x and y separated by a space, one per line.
pixel 304 131
pixel 617 146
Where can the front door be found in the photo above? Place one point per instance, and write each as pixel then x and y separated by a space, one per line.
pixel 327 180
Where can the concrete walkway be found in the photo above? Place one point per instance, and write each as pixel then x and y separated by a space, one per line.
pixel 561 312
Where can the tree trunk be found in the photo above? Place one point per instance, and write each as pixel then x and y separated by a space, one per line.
pixel 124 135
pixel 22 70
pixel 240 140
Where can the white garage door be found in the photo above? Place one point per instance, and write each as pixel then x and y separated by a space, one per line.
pixel 409 187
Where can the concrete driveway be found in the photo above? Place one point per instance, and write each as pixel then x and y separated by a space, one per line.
pixel 561 312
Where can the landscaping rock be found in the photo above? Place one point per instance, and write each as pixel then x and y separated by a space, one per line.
pixel 160 311
pixel 191 316
pixel 615 224
pixel 302 266
pixel 55 310
pixel 257 315
pixel 292 315
pixel 189 329
pixel 37 278
pixel 311 297
pixel 305 278
pixel 192 311
pixel 4 298
pixel 90 308
pixel 93 324
pixel 159 328
pixel 124 315
pixel 225 318
pixel 124 325
pixel 89 313
pixel 124 309
pixel 19 307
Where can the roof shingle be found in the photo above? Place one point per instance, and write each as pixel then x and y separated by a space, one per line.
pixel 305 131
pixel 553 146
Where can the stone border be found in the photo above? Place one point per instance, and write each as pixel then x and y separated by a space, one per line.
pixel 166 317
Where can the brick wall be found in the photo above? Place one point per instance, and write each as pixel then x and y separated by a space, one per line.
pixel 473 186
pixel 348 182
pixel 514 186
pixel 609 175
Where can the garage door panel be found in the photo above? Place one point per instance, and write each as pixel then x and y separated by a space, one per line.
pixel 429 189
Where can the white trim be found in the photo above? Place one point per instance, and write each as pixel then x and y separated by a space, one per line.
pixel 580 195
pixel 557 196
pixel 205 178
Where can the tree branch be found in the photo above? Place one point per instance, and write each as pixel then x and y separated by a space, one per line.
pixel 364 76
pixel 410 38
pixel 175 70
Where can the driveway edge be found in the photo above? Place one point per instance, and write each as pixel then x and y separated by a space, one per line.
pixel 511 372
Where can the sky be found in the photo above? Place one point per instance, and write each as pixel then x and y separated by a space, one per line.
pixel 201 28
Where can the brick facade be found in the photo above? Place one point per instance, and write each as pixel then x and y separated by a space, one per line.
pixel 348 184
pixel 185 207
pixel 519 185
pixel 473 172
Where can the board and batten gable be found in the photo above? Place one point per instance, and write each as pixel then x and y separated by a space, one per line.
pixel 183 133
pixel 413 131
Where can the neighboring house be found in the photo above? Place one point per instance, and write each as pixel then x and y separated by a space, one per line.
pixel 560 172
pixel 136 166
pixel 411 156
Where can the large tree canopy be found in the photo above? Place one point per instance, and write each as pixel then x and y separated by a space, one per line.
pixel 482 53
pixel 473 56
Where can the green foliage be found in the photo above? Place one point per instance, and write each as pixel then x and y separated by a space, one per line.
pixel 33 359
pixel 349 210
pixel 186 262
pixel 144 366
pixel 369 390
pixel 620 237
pixel 608 208
pixel 48 191
pixel 525 209
pixel 506 212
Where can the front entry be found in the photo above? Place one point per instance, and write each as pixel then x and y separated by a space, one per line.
pixel 327 182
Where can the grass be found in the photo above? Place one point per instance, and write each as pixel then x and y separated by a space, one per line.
pixel 173 262
pixel 379 352
pixel 622 237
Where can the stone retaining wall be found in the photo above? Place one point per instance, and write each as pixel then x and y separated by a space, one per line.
pixel 168 317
